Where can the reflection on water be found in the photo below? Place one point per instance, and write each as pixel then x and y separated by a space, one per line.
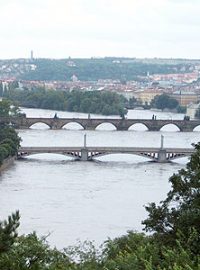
pixel 170 127
pixel 106 126
pixel 138 127
pixel 87 200
pixel 107 138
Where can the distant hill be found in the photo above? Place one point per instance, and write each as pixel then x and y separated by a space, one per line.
pixel 90 69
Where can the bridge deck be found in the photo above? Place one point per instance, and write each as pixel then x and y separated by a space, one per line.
pixel 93 123
pixel 88 153
pixel 56 149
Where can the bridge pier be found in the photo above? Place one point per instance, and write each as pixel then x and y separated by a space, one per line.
pixel 186 129
pixel 162 156
pixel 122 128
pixel 84 155
pixel 122 125
pixel 22 127
pixel 153 128
pixel 89 128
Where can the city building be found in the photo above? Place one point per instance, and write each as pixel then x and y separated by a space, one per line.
pixel 147 95
pixel 185 98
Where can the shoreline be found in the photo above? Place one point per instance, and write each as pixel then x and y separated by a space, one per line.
pixel 7 163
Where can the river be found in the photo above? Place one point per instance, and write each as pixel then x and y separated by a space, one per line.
pixel 73 200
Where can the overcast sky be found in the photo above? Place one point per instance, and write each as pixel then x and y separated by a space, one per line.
pixel 97 28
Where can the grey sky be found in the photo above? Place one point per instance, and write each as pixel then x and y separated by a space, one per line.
pixel 85 28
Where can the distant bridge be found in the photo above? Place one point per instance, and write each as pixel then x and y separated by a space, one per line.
pixel 93 123
pixel 88 153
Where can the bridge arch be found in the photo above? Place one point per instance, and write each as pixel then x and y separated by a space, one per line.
pixel 106 126
pixel 44 154
pixel 197 128
pixel 170 127
pixel 138 127
pixel 73 125
pixel 39 125
pixel 122 157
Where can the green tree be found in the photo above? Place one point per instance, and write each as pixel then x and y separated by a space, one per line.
pixel 8 232
pixel 132 102
pixel 122 112
pixel 88 102
pixel 31 253
pixel 12 145
pixel 9 133
pixel 4 108
pixel 164 101
pixel 8 109
pixel 3 153
pixel 179 213
pixel 9 142
pixel 85 105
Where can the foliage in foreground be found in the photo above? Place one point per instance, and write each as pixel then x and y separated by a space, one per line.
pixel 174 244
pixel 179 213
pixel 9 140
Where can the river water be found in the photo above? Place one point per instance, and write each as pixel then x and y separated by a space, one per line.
pixel 73 200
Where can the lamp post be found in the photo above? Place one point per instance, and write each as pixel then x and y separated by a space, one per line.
pixel 85 141
pixel 162 141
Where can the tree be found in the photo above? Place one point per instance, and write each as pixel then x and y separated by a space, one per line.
pixel 9 142
pixel 9 133
pixel 164 101
pixel 31 253
pixel 179 213
pixel 85 105
pixel 4 108
pixel 12 145
pixel 122 112
pixel 7 108
pixel 15 111
pixel 8 232
pixel 132 102
pixel 107 103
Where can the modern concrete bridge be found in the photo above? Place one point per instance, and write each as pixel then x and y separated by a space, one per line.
pixel 93 123
pixel 88 153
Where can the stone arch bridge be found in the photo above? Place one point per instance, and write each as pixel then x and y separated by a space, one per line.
pixel 92 124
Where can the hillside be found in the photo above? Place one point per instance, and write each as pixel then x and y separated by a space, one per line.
pixel 89 69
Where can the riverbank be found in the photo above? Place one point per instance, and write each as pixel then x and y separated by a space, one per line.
pixel 7 163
